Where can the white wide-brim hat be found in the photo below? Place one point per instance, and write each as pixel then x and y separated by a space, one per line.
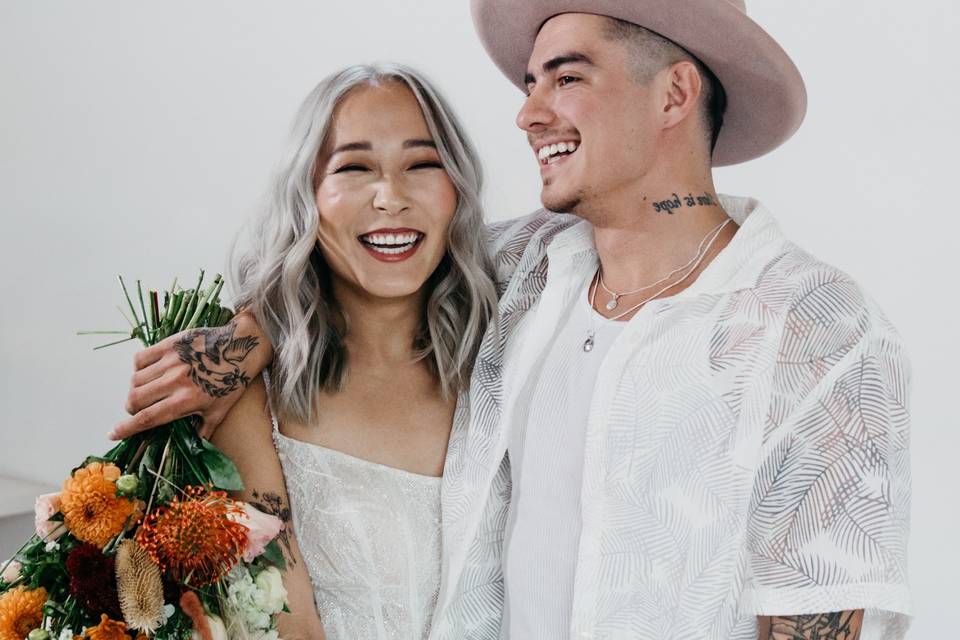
pixel 766 97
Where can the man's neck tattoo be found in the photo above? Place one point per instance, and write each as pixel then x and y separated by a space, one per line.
pixel 670 205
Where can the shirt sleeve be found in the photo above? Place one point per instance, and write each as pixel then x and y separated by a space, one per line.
pixel 829 514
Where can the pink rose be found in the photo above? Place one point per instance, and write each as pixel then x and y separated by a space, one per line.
pixel 45 507
pixel 12 571
pixel 261 529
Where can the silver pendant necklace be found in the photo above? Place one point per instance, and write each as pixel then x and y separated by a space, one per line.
pixel 588 343
pixel 615 296
pixel 595 284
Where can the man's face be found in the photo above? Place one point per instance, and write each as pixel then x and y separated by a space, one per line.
pixel 582 94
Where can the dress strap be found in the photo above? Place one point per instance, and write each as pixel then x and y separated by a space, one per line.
pixel 273 417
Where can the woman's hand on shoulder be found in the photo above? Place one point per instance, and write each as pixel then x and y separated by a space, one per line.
pixel 199 372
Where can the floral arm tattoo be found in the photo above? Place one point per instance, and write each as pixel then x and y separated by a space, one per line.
pixel 214 356
pixel 839 625
pixel 273 504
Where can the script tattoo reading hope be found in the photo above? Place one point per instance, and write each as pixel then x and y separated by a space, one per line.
pixel 670 205
pixel 214 357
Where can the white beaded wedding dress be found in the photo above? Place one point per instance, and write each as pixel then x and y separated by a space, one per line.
pixel 370 537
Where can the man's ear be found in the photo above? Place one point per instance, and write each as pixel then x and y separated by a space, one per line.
pixel 681 86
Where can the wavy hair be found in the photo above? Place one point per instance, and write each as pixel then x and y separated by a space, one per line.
pixel 284 279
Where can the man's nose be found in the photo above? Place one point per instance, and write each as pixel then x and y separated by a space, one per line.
pixel 390 197
pixel 535 114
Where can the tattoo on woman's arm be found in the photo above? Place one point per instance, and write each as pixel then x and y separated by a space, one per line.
pixel 839 625
pixel 273 504
pixel 215 360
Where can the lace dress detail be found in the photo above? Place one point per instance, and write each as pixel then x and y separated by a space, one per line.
pixel 370 537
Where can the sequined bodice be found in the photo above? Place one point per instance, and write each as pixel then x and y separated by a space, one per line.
pixel 370 537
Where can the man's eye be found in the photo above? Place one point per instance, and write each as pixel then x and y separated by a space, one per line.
pixel 351 167
pixel 565 80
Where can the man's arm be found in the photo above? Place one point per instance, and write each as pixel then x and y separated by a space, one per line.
pixel 199 372
pixel 839 625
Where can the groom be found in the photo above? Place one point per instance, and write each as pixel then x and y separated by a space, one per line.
pixel 683 426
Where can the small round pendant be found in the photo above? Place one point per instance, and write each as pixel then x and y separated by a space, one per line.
pixel 612 304
pixel 588 344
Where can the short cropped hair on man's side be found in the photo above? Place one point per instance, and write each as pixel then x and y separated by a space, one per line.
pixel 650 53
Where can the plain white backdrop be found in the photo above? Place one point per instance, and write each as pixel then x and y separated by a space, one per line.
pixel 136 137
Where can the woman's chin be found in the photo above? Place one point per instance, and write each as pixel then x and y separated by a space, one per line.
pixel 395 290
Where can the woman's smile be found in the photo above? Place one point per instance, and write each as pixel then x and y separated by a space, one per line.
pixel 392 245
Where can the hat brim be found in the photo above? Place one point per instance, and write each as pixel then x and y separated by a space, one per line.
pixel 766 96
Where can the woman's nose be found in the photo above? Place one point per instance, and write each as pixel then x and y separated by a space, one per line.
pixel 390 198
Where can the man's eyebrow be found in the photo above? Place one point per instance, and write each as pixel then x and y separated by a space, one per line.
pixel 422 142
pixel 558 61
pixel 352 146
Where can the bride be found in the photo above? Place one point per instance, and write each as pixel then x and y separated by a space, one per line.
pixel 369 275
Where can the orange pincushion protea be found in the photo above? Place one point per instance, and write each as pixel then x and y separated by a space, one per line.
pixel 90 506
pixel 193 538
pixel 21 611
pixel 107 630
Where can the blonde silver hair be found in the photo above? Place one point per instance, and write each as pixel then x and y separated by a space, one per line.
pixel 284 279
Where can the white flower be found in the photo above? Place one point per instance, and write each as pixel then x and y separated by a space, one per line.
pixel 274 595
pixel 66 634
pixel 168 610
pixel 53 545
pixel 252 604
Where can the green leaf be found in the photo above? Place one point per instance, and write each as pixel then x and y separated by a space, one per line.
pixel 274 555
pixel 223 473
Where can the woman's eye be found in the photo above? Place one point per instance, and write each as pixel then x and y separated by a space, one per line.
pixel 351 167
pixel 565 80
pixel 427 165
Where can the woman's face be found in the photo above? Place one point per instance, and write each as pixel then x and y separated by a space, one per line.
pixel 384 199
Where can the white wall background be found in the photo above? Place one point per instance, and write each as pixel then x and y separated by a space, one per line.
pixel 134 138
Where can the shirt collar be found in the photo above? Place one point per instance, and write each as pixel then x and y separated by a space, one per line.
pixel 736 267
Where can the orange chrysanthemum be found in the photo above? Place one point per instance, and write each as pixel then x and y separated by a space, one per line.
pixel 193 538
pixel 91 508
pixel 107 630
pixel 21 611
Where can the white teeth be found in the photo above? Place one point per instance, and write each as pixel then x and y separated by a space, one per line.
pixel 391 239
pixel 392 251
pixel 553 149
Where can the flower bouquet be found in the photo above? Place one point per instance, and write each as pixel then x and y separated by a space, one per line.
pixel 144 541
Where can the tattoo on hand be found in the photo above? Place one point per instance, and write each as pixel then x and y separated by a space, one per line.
pixel 273 504
pixel 839 625
pixel 676 202
pixel 215 368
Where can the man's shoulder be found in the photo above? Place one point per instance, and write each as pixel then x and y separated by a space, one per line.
pixel 510 241
pixel 516 233
pixel 819 300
